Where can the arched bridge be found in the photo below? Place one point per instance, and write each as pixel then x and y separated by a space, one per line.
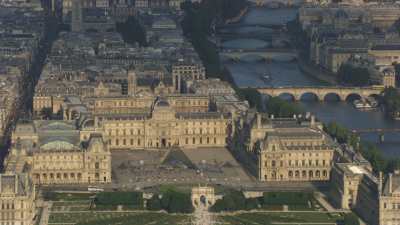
pixel 272 3
pixel 265 53
pixel 321 92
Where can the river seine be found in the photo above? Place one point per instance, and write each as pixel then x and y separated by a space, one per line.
pixel 248 72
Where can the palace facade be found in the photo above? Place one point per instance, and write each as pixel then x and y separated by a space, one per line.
pixel 17 199
pixel 161 127
pixel 52 153
pixel 375 199
pixel 291 150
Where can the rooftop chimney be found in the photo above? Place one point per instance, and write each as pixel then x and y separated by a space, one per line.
pixel 390 183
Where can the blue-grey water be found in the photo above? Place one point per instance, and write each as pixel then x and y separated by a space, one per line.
pixel 248 72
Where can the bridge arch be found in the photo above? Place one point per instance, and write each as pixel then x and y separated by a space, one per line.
pixel 332 96
pixel 306 96
pixel 252 57
pixel 287 96
pixel 353 96
pixel 375 96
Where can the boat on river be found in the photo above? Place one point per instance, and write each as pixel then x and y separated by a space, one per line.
pixel 364 104
pixel 266 77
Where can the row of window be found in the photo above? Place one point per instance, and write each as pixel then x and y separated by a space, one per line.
pixel 391 206
pixel 132 142
pixel 188 123
pixel 297 163
pixel 66 157
pixel 300 174
pixel 310 154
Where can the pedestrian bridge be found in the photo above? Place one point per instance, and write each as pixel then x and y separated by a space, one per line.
pixel 264 53
pixel 341 92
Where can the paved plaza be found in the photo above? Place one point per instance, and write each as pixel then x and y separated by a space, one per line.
pixel 139 168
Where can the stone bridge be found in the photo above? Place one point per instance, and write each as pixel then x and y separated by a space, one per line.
pixel 265 53
pixel 320 93
pixel 273 3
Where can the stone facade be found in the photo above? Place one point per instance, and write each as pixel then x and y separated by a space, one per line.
pixel 287 150
pixel 162 127
pixel 389 200
pixel 375 199
pixel 17 199
pixel 203 197
pixel 52 153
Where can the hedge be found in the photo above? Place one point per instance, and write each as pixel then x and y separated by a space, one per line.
pixel 120 198
pixel 287 198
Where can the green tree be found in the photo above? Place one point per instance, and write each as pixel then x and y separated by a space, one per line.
pixel 176 202
pixel 154 203
pixel 349 74
pixel 198 23
pixel 132 31
pixel 46 113
pixel 233 200
pixel 281 108
pixel 351 219
pixel 368 150
pixel 252 96
pixel 252 203
pixel 391 101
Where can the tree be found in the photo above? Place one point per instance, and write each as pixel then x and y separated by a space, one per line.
pixel 358 76
pixel 132 31
pixel 173 202
pixel 198 24
pixel 351 219
pixel 281 108
pixel 154 203
pixel 391 101
pixel 252 96
pixel 368 150
pixel 232 201
pixel 252 203
pixel 46 113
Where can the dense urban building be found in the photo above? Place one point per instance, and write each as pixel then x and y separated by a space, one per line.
pixel 51 152
pixel 374 198
pixel 17 199
pixel 291 150
pixel 343 31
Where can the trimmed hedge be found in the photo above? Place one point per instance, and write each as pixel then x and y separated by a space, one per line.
pixel 351 219
pixel 232 201
pixel 287 198
pixel 172 201
pixel 133 199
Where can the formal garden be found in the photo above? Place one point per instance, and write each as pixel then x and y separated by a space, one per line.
pixel 266 218
pixel 121 218
pixel 173 206
pixel 278 201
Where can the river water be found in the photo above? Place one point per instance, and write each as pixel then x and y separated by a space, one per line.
pixel 248 72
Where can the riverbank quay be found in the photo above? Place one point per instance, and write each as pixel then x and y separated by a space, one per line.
pixel 316 73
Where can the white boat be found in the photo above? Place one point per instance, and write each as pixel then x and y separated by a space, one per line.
pixel 362 105
pixel 372 102
pixel 266 77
